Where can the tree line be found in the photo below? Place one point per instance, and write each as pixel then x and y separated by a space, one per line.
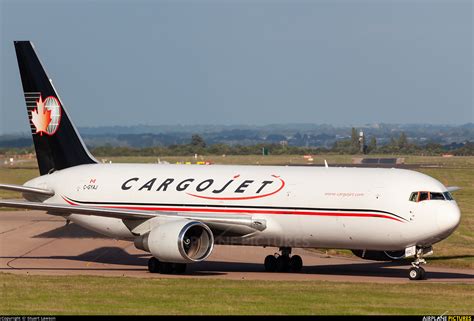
pixel 197 145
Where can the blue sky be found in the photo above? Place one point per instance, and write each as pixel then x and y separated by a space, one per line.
pixel 245 62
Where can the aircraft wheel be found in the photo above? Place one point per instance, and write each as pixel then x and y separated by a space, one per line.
pixel 283 263
pixel 296 263
pixel 416 273
pixel 180 268
pixel 166 268
pixel 423 273
pixel 270 263
pixel 153 265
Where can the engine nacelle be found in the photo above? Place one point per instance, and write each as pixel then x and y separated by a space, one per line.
pixel 380 255
pixel 180 241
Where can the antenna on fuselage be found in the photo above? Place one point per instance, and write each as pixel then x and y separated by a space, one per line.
pixel 326 164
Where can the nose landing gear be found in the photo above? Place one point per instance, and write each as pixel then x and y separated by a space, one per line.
pixel 416 272
pixel 283 262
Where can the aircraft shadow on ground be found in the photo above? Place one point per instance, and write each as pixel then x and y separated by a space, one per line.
pixel 130 262
pixel 385 269
pixel 103 255
pixel 116 255
pixel 70 231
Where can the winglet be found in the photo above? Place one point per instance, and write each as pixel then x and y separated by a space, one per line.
pixel 326 164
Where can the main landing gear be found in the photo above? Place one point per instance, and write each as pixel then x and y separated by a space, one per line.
pixel 416 272
pixel 283 262
pixel 155 266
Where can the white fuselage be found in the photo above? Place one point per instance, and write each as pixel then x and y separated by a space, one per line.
pixel 351 208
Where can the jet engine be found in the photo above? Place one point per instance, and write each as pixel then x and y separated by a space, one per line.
pixel 380 255
pixel 180 241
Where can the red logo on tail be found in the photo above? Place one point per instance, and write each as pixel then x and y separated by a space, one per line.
pixel 47 116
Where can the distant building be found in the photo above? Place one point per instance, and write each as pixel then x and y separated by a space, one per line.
pixel 362 147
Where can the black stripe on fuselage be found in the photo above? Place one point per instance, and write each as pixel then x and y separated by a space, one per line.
pixel 241 207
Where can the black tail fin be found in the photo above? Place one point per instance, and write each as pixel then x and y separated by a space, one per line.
pixel 57 142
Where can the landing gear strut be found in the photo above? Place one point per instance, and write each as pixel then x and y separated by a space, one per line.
pixel 283 262
pixel 416 272
pixel 155 266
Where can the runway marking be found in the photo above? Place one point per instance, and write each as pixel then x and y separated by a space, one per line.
pixel 28 252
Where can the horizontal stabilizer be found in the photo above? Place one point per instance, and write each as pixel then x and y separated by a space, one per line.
pixel 26 189
pixel 453 188
pixel 60 209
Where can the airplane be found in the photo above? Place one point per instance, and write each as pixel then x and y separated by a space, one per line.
pixel 177 213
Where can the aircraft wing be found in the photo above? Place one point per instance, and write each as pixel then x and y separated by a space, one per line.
pixel 239 224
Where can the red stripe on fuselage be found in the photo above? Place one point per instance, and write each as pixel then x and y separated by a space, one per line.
pixel 242 211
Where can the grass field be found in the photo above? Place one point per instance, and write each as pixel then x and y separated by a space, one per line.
pixel 28 295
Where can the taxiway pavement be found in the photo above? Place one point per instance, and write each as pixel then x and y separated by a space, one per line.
pixel 35 243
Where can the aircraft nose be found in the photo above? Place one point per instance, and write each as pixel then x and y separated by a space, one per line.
pixel 449 218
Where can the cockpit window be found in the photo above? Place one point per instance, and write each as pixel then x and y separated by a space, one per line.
pixel 436 196
pixel 425 196
pixel 448 196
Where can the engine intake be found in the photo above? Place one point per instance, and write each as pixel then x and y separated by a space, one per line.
pixel 180 241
